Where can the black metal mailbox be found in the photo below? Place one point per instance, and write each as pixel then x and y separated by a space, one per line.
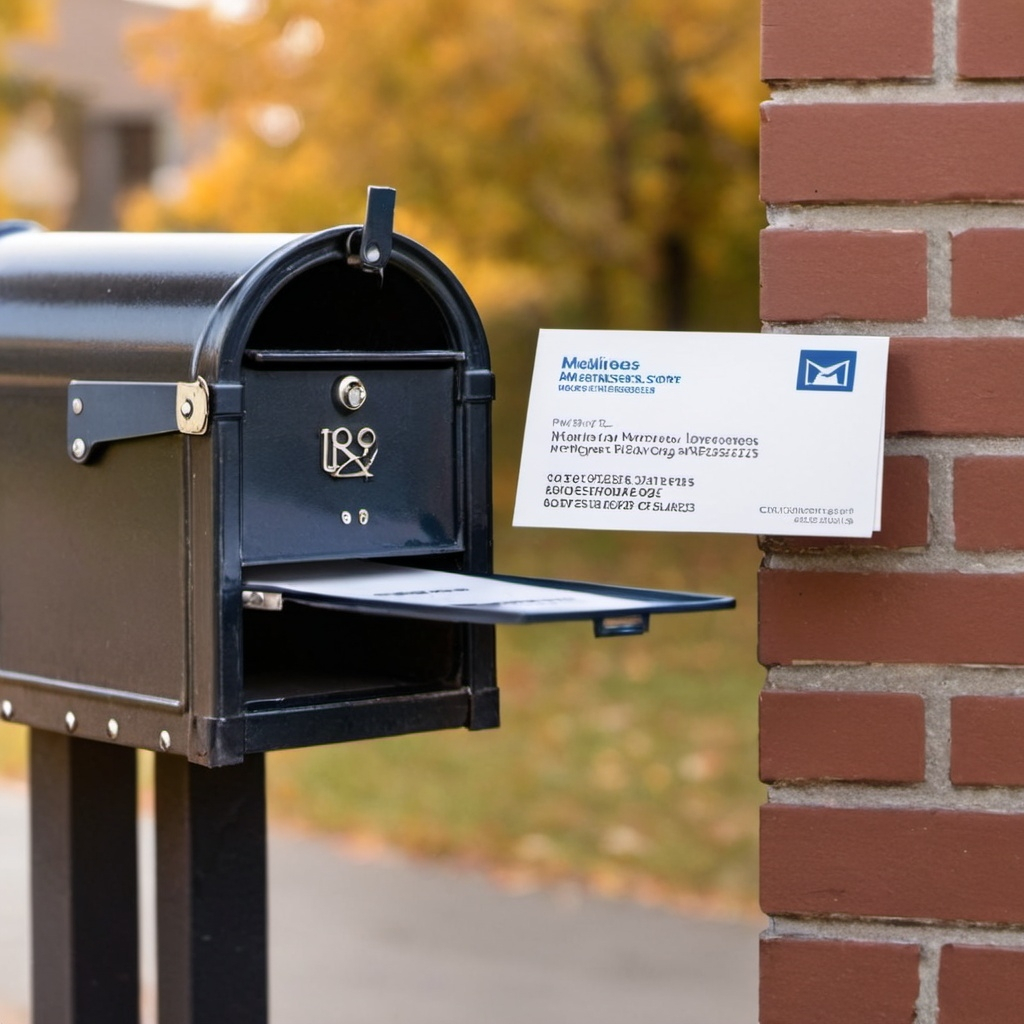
pixel 229 467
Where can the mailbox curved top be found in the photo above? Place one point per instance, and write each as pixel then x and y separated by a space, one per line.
pixel 174 306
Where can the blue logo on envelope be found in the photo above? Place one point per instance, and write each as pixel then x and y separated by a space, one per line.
pixel 828 370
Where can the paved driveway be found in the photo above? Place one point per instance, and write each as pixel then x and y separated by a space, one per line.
pixel 396 942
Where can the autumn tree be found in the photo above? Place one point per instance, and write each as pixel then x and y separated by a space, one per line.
pixel 17 18
pixel 592 160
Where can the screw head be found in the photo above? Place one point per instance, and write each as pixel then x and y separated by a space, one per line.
pixel 78 448
pixel 77 406
pixel 372 254
pixel 187 408
pixel 113 729
pixel 165 741
pixel 70 721
pixel 6 710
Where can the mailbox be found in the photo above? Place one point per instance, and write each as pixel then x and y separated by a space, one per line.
pixel 245 492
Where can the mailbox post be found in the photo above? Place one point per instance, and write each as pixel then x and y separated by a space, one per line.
pixel 244 505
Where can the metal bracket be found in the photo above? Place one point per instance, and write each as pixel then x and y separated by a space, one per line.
pixel 264 600
pixel 107 410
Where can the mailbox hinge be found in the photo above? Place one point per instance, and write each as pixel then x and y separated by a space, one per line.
pixel 111 410
pixel 192 406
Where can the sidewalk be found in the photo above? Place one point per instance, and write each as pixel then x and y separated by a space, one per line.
pixel 395 942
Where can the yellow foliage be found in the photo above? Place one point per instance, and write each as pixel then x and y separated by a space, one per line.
pixel 584 153
pixel 19 17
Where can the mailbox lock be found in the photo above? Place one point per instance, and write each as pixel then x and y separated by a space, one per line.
pixel 350 393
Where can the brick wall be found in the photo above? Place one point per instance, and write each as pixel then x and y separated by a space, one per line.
pixel 892 730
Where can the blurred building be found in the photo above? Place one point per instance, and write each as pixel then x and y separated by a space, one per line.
pixel 86 131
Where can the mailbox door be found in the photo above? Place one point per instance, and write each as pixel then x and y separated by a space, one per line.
pixel 319 479
pixel 413 592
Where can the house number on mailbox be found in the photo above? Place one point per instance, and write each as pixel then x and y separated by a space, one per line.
pixel 339 457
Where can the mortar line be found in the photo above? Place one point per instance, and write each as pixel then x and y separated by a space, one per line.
pixel 941 494
pixel 944 36
pixel 924 797
pixel 927 1011
pixel 920 932
pixel 954 680
pixel 962 327
pixel 894 215
pixel 909 91
pixel 940 275
pixel 937 734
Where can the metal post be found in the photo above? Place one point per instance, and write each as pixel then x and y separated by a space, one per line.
pixel 85 917
pixel 211 837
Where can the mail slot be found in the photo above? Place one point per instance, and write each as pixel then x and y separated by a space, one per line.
pixel 245 493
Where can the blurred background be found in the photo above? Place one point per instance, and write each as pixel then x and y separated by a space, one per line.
pixel 577 163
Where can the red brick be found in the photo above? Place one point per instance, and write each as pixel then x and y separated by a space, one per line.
pixel 910 864
pixel 904 512
pixel 980 985
pixel 985 741
pixel 991 38
pixel 988 272
pixel 845 275
pixel 867 39
pixel 852 737
pixel 928 618
pixel 988 496
pixel 806 981
pixel 868 152
pixel 955 386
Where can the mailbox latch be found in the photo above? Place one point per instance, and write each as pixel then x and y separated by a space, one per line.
pixel 375 238
pixel 115 410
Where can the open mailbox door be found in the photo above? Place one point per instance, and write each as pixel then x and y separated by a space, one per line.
pixel 416 593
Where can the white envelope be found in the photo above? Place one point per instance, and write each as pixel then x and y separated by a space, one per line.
pixel 694 431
